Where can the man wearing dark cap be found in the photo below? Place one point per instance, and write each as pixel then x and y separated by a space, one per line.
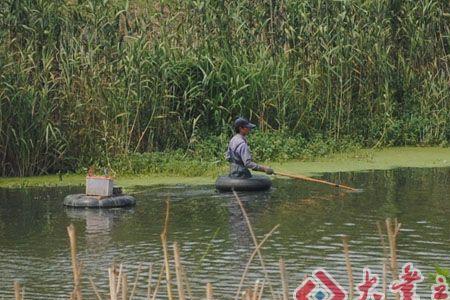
pixel 238 153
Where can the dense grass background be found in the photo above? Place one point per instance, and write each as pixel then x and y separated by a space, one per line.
pixel 87 82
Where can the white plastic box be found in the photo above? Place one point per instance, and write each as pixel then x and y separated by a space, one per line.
pixel 99 186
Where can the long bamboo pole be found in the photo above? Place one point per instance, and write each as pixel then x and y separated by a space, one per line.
pixel 302 177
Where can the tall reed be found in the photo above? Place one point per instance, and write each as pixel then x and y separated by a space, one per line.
pixel 84 81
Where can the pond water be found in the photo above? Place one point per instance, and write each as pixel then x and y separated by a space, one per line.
pixel 214 240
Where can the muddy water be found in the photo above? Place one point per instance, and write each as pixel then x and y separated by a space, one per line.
pixel 214 240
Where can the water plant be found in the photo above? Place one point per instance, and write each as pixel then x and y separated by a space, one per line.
pixel 84 81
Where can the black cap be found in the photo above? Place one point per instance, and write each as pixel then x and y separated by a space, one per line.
pixel 242 122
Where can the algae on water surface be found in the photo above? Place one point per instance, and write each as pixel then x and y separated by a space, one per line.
pixel 365 159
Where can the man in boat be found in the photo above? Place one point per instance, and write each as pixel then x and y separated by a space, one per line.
pixel 238 153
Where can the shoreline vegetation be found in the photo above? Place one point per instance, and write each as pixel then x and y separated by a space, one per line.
pixel 86 82
pixel 354 160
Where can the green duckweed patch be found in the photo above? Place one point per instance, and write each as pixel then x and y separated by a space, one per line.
pixel 358 160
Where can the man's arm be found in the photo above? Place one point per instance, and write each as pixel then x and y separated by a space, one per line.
pixel 247 159
pixel 227 155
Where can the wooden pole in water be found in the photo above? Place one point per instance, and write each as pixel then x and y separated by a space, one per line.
pixel 302 177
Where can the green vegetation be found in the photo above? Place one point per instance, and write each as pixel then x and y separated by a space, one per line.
pixel 89 82
pixel 154 169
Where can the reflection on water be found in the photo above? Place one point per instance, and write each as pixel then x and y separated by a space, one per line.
pixel 213 235
pixel 99 223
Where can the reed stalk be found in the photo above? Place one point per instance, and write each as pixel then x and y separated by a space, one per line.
pixel 124 287
pixel 383 242
pixel 284 279
pixel 17 291
pixel 258 246
pixel 393 229
pixel 255 242
pixel 158 282
pixel 119 280
pixel 261 291
pixel 255 290
pixel 166 252
pixel 76 267
pixel 136 279
pixel 178 271
pixel 94 288
pixel 348 267
pixel 293 65
pixel 112 283
pixel 149 281
pixel 209 291
pixel 186 282
pixel 385 281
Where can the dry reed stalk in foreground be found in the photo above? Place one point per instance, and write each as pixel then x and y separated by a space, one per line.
pixel 135 281
pixel 255 242
pixel 284 279
pixel 209 291
pixel 244 274
pixel 119 280
pixel 166 252
pixel 385 280
pixel 155 292
pixel 178 272
pixel 76 268
pixel 124 287
pixel 254 293
pixel 149 281
pixel 348 267
pixel 186 282
pixel 17 293
pixel 261 290
pixel 393 228
pixel 112 284
pixel 383 242
pixel 255 290
pixel 94 288
pixel 385 258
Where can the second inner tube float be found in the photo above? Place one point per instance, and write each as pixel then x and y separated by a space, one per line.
pixel 254 183
pixel 100 193
pixel 83 200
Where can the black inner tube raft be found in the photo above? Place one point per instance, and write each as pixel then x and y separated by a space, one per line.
pixel 254 183
pixel 82 200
